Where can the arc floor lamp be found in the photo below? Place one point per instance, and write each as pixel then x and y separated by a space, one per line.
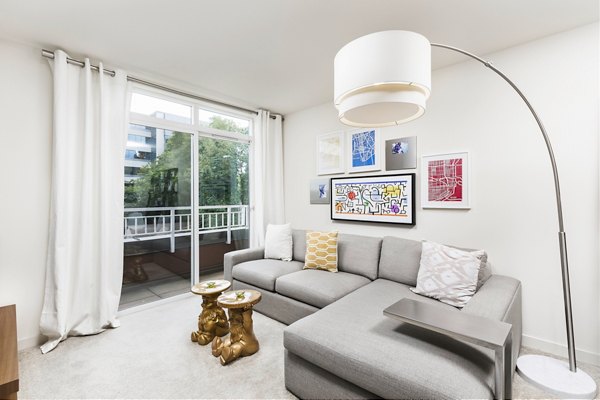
pixel 384 79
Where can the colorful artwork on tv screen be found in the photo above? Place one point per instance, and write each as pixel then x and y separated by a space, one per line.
pixel 385 198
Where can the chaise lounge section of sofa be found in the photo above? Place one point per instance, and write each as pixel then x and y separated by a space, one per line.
pixel 340 345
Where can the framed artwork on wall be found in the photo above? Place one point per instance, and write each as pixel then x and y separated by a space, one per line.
pixel 445 181
pixel 381 198
pixel 401 153
pixel 319 191
pixel 330 153
pixel 364 153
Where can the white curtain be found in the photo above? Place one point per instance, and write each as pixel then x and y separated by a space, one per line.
pixel 85 247
pixel 268 176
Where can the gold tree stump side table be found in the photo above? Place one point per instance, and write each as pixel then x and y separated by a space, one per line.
pixel 241 342
pixel 212 321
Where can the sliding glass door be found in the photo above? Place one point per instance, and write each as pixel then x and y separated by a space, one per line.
pixel 223 197
pixel 186 170
pixel 158 220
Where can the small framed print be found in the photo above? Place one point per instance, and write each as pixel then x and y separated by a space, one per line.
pixel 380 198
pixel 401 153
pixel 445 181
pixel 319 191
pixel 330 153
pixel 364 150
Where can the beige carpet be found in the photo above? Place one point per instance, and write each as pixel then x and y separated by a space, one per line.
pixel 151 356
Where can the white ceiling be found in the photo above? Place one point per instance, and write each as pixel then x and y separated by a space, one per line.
pixel 275 54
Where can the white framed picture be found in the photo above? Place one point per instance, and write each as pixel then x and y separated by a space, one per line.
pixel 364 150
pixel 330 153
pixel 445 181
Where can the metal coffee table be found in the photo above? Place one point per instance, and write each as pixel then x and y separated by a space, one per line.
pixel 495 335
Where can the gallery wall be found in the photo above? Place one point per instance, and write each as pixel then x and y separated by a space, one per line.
pixel 513 210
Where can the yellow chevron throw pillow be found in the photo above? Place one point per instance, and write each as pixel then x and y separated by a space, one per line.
pixel 321 251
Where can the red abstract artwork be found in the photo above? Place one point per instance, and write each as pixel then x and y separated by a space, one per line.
pixel 445 180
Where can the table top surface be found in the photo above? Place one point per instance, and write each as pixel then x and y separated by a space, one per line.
pixel 232 300
pixel 471 328
pixel 211 287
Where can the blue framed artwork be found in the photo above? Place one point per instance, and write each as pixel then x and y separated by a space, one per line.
pixel 364 151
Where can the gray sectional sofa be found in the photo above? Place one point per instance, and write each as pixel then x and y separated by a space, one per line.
pixel 340 345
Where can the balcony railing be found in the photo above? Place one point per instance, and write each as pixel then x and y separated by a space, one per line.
pixel 153 223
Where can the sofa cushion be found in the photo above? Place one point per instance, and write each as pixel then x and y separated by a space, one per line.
pixel 318 288
pixel 299 248
pixel 352 339
pixel 263 273
pixel 399 261
pixel 359 254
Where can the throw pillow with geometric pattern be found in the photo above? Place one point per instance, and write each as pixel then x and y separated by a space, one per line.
pixel 321 251
pixel 448 274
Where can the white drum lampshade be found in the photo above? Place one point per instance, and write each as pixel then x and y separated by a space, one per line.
pixel 382 79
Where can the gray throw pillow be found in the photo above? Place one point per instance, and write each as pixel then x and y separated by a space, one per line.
pixel 448 274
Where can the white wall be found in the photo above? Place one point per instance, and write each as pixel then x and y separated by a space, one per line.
pixel 26 131
pixel 513 211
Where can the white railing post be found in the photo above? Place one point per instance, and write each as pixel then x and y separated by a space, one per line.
pixel 228 225
pixel 172 230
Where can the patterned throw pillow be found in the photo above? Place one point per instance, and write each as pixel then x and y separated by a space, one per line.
pixel 321 251
pixel 449 274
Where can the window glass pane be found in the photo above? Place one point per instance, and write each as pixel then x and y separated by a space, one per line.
pixel 223 191
pixel 161 108
pixel 223 122
pixel 157 168
pixel 223 172
pixel 157 221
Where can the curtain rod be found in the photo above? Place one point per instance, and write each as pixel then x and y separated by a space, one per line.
pixel 50 54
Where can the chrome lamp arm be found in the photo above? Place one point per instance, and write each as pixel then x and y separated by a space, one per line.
pixel 561 234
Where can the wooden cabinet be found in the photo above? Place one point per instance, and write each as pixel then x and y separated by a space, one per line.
pixel 9 359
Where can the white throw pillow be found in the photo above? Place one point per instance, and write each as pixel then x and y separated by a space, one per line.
pixel 278 242
pixel 448 274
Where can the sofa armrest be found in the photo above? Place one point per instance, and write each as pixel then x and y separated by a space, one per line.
pixel 239 256
pixel 500 298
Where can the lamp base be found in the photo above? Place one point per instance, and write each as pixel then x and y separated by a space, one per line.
pixel 554 376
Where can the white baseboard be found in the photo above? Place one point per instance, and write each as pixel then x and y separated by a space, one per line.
pixel 558 349
pixel 29 342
